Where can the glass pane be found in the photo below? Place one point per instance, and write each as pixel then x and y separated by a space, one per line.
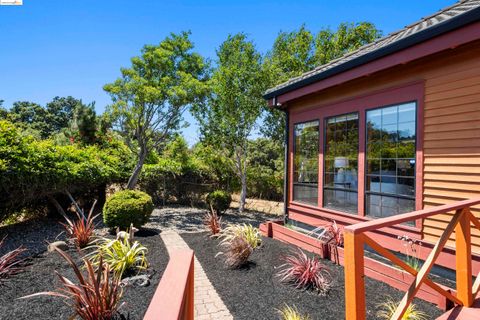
pixel 406 186
pixel 342 200
pixel 390 160
pixel 306 193
pixel 373 183
pixel 406 112
pixel 406 131
pixel 406 167
pixel 306 162
pixel 373 166
pixel 389 115
pixel 342 161
pixel 389 167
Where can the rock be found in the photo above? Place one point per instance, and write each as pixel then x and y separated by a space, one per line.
pixel 62 245
pixel 141 280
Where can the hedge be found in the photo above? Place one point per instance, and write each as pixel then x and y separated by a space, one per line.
pixel 31 169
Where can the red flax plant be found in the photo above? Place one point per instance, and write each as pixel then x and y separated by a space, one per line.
pixel 95 297
pixel 81 230
pixel 335 239
pixel 212 222
pixel 237 251
pixel 10 262
pixel 305 272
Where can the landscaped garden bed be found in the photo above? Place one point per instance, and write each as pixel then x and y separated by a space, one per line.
pixel 254 291
pixel 39 275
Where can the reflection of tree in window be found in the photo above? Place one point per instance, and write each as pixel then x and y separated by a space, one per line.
pixel 341 163
pixel 390 176
pixel 305 179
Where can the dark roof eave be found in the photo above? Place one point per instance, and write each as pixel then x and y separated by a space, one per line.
pixel 421 36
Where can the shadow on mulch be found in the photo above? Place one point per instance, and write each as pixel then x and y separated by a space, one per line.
pixel 39 276
pixel 256 293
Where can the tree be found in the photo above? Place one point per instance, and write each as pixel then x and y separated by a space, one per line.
pixel 292 54
pixel 235 104
pixel 150 96
pixel 299 51
pixel 60 112
pixel 30 117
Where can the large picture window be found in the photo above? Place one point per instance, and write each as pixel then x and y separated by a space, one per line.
pixel 341 163
pixel 390 160
pixel 305 164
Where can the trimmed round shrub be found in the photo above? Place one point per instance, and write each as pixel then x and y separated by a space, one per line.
pixel 126 207
pixel 219 200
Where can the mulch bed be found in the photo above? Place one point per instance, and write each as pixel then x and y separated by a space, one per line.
pixel 39 276
pixel 254 292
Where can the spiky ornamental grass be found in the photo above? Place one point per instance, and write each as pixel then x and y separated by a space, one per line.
pixel 292 313
pixel 246 231
pixel 305 272
pixel 10 262
pixel 388 308
pixel 237 251
pixel 212 222
pixel 96 296
pixel 120 255
pixel 81 230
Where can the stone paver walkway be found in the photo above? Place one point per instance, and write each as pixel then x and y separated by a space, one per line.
pixel 208 304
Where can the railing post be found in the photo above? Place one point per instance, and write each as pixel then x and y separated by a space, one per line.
pixel 354 276
pixel 464 258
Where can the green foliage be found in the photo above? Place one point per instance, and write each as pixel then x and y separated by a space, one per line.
pixel 177 174
pixel 388 308
pixel 292 313
pixel 265 170
pixel 235 104
pixel 120 255
pixel 246 231
pixel 299 51
pixel 31 169
pixel 219 200
pixel 150 96
pixel 127 207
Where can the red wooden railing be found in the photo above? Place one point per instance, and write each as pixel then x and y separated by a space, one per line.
pixel 173 299
pixel 357 236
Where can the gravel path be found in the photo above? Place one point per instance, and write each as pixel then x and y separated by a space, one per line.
pixel 187 219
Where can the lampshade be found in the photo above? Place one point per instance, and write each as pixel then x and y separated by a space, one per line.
pixel 341 162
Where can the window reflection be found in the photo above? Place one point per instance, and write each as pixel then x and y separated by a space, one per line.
pixel 305 163
pixel 390 176
pixel 341 163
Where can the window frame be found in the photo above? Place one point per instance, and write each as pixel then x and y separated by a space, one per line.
pixel 413 91
pixel 398 196
pixel 324 143
pixel 293 183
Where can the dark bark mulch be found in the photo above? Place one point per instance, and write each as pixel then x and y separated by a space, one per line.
pixel 39 276
pixel 254 292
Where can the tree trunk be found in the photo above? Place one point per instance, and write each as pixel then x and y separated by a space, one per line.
pixel 243 192
pixel 132 181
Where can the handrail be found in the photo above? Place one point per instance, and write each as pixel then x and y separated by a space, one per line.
pixel 404 217
pixel 173 299
pixel 356 238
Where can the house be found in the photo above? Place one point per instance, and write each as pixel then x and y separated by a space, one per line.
pixel 391 128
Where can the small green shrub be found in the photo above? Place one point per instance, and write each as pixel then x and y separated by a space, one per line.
pixel 219 200
pixel 246 231
pixel 120 255
pixel 127 207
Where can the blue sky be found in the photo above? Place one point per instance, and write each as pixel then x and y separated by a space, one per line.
pixel 64 47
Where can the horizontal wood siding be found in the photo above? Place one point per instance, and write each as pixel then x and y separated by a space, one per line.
pixel 451 141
